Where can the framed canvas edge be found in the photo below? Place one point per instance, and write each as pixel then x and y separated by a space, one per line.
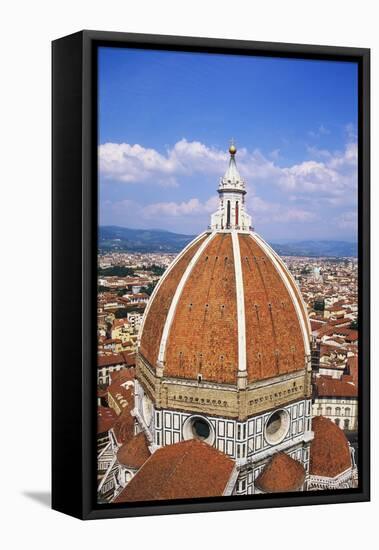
pixel 86 494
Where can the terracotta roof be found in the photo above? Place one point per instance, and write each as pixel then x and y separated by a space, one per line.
pixel 281 474
pixel 129 358
pixel 120 323
pixel 112 341
pixel 326 386
pixel 110 360
pixel 349 334
pixel 330 454
pixel 124 426
pixel 121 390
pixel 316 324
pixel 352 336
pixel 123 375
pixel 189 469
pixel 106 417
pixel 340 322
pixel 203 335
pixel 135 452
pixel 352 366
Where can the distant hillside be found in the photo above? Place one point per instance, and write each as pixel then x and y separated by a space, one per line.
pixel 317 248
pixel 141 240
pixel 157 240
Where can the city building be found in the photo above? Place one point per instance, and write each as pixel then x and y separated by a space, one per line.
pixel 337 399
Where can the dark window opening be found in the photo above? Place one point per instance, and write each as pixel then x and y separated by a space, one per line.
pixel 200 428
pixel 228 215
pixel 273 424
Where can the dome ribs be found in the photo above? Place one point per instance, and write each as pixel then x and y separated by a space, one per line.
pixel 273 334
pixel 206 336
pixel 302 309
pixel 193 320
pixel 160 304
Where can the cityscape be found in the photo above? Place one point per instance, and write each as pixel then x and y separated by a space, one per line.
pixel 227 311
pixel 129 430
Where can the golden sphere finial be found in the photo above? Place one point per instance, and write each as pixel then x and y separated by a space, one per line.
pixel 232 148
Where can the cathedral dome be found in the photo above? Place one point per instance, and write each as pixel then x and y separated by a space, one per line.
pixel 330 453
pixel 281 474
pixel 227 306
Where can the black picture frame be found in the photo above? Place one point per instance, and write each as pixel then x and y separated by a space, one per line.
pixel 74 205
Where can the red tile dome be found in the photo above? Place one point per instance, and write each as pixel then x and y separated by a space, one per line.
pixel 226 304
pixel 227 308
pixel 330 453
pixel 281 474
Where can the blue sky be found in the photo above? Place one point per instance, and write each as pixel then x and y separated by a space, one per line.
pixel 166 119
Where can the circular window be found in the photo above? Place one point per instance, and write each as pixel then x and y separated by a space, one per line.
pixel 277 427
pixel 198 427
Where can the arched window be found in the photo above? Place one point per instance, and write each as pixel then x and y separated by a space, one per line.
pixel 347 411
pixel 328 411
pixel 346 424
pixel 237 212
pixel 338 411
pixel 228 214
pixel 338 421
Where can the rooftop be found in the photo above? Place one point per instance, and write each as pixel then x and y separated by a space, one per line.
pixel 281 474
pixel 330 453
pixel 188 469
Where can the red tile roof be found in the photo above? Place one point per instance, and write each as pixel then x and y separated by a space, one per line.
pixel 326 386
pixel 281 474
pixel 352 366
pixel 124 426
pixel 330 454
pixel 110 360
pixel 189 469
pixel 123 375
pixel 122 358
pixel 316 324
pixel 135 452
pixel 106 418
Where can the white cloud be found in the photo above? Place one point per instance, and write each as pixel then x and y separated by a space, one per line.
pixel 330 176
pixel 185 208
pixel 264 211
pixel 133 163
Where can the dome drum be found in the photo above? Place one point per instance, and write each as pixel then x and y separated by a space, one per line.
pixel 217 399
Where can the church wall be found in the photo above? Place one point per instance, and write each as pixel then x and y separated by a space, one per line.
pixel 241 440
